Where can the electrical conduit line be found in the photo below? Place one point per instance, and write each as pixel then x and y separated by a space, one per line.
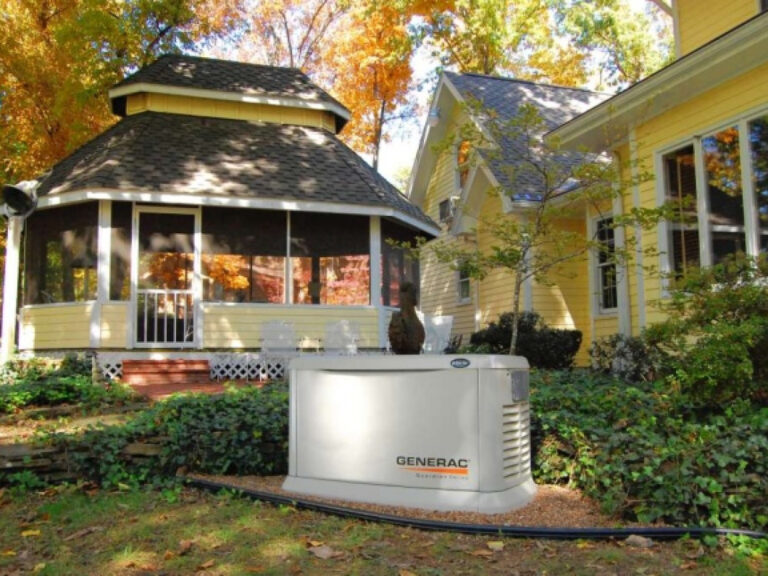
pixel 549 533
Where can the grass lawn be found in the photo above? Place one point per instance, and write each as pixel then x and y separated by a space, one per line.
pixel 71 530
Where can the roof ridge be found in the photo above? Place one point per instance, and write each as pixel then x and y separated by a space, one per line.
pixel 225 61
pixel 529 82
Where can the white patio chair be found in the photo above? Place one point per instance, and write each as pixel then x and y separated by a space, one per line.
pixel 437 335
pixel 341 337
pixel 278 345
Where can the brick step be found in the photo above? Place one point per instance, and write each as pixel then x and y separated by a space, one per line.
pixel 152 379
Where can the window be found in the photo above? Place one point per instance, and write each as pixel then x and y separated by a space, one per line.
pixel 464 292
pixel 463 162
pixel 396 266
pixel 726 202
pixel 725 213
pixel 120 247
pixel 446 210
pixel 330 259
pixel 244 254
pixel 763 5
pixel 758 145
pixel 606 266
pixel 680 174
pixel 60 255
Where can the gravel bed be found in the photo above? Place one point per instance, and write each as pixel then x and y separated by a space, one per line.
pixel 553 506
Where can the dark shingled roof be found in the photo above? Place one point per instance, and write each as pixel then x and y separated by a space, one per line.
pixel 176 154
pixel 556 105
pixel 227 76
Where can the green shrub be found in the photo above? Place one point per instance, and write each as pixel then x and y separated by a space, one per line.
pixel 39 383
pixel 242 431
pixel 643 454
pixel 628 358
pixel 544 347
pixel 716 334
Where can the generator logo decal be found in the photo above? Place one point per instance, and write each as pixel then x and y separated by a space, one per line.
pixel 433 467
pixel 460 362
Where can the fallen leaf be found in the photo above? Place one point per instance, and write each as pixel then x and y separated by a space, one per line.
pixel 39 567
pixel 8 553
pixel 123 487
pixel 206 565
pixel 323 552
pixel 405 572
pixel 30 533
pixel 481 552
pixel 314 543
pixel 689 566
pixel 185 546
pixel 495 545
pixel 168 555
pixel 584 545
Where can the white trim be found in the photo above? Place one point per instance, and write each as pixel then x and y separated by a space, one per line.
pixel 622 270
pixel 11 287
pixel 197 278
pixel 736 53
pixel 104 250
pixel 279 101
pixel 639 265
pixel 228 201
pixel 273 305
pixel 288 290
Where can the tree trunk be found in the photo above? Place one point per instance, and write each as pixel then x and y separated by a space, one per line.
pixel 515 312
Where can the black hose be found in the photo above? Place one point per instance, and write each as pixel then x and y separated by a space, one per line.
pixel 664 533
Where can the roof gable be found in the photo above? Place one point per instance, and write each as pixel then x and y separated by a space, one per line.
pixel 505 96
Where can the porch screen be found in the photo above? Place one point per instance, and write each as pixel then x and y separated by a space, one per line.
pixel 244 255
pixel 396 267
pixel 120 260
pixel 330 259
pixel 60 254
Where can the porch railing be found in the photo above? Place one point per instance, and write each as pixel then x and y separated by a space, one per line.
pixel 165 317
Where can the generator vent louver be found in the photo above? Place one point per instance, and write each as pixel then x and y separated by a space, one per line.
pixel 516 439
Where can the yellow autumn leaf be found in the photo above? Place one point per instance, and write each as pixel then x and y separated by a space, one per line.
pixel 30 533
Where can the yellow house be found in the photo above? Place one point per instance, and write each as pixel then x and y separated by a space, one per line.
pixel 700 126
pixel 461 196
pixel 221 212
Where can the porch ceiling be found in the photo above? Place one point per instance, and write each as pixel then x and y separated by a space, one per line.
pixel 173 154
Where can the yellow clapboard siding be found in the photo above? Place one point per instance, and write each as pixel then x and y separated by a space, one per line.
pixel 439 283
pixel 207 107
pixel 56 327
pixel 239 326
pixel 701 21
pixel 605 326
pixel 114 325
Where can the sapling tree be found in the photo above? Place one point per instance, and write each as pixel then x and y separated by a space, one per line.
pixel 545 187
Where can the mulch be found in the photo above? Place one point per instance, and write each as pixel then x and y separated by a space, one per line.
pixel 553 506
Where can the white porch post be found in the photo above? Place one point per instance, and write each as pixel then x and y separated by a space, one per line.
pixel 11 287
pixel 375 250
pixel 102 269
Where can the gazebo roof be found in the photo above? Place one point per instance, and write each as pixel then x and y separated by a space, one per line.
pixel 226 79
pixel 229 162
